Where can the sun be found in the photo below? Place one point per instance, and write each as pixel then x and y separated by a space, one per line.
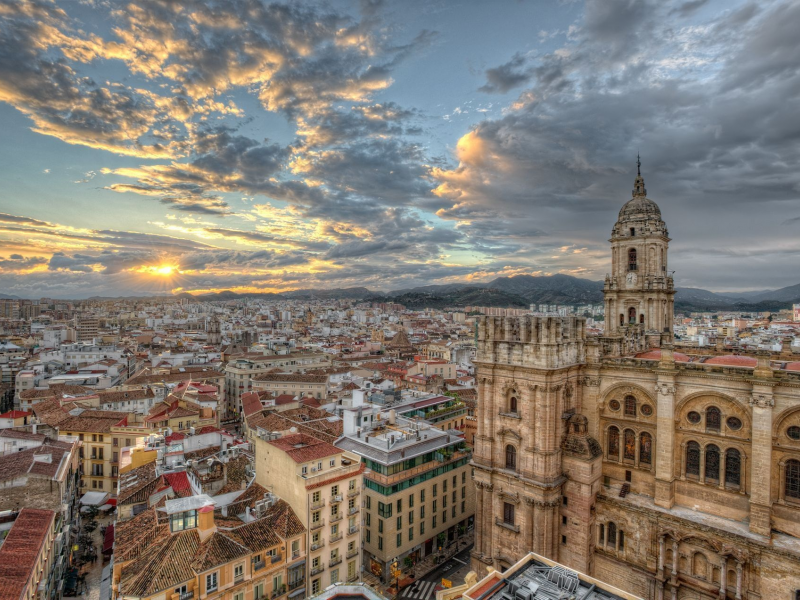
pixel 165 270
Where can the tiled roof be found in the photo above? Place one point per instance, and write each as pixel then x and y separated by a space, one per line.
pixel 732 361
pixel 256 536
pixel 23 462
pixel 308 420
pixel 15 414
pixel 217 550
pixel 135 536
pixel 283 520
pixel 303 448
pixel 180 483
pixel 94 421
pixel 20 550
pixel 166 563
pixel 292 377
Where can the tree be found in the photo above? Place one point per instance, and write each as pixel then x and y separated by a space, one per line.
pixel 441 539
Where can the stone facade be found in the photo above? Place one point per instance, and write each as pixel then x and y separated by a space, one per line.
pixel 668 477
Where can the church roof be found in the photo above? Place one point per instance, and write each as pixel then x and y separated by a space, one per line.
pixel 640 207
pixel 399 341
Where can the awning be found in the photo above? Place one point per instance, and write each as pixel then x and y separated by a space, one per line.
pixel 297 592
pixel 108 540
pixel 94 498
pixel 106 507
pixel 112 501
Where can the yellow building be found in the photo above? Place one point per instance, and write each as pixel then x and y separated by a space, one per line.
pixel 323 483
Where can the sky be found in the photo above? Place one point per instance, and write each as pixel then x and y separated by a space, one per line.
pixel 161 146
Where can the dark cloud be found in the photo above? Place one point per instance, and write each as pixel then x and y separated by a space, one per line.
pixel 506 77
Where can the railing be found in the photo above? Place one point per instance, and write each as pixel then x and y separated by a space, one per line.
pixel 337 517
pixel 317 525
pixel 352 578
pixel 276 558
pixel 318 504
pixel 335 561
pixel 353 510
pixel 318 569
pixel 353 492
pixel 336 498
pixel 352 530
pixel 257 566
pixel 293 585
pixel 295 554
pixel 318 545
pixel 238 578
pixel 336 537
pixel 352 553
pixel 187 595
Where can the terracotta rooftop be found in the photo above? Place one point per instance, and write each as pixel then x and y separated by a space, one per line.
pixel 20 550
pixel 303 448
pixel 732 360
pixel 656 355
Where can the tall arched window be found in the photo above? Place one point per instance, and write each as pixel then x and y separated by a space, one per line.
pixel 713 418
pixel 632 259
pixel 632 315
pixel 630 406
pixel 693 459
pixel 613 443
pixel 641 319
pixel 645 448
pixel 793 479
pixel 512 404
pixel 712 462
pixel 511 457
pixel 629 451
pixel 733 467
pixel 612 534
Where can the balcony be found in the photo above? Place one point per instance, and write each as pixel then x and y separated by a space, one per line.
pixel 352 553
pixel 318 569
pixel 187 595
pixel 352 578
pixel 336 537
pixel 318 545
pixel 335 561
pixel 293 585
pixel 318 504
pixel 353 493
pixel 336 498
pixel 275 558
pixel 353 510
pixel 237 579
pixel 353 530
pixel 337 517
pixel 295 554
pixel 258 565
pixel 317 525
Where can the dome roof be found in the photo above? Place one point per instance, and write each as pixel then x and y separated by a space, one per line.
pixel 793 366
pixel 639 208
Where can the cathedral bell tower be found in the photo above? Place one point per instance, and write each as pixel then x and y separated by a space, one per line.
pixel 639 292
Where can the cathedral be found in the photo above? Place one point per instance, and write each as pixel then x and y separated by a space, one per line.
pixel 672 476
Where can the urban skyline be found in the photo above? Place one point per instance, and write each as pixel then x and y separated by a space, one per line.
pixel 160 148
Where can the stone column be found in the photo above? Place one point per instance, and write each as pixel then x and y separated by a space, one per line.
pixel 661 551
pixel 760 480
pixel 722 462
pixel 528 541
pixel 738 580
pixel 674 558
pixel 636 450
pixel 674 592
pixel 782 481
pixel 489 516
pixel 683 461
pixel 479 518
pixel 723 580
pixel 665 434
pixel 702 464
pixel 660 590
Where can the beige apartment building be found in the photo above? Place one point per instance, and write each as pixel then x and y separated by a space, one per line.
pixel 295 384
pixel 418 492
pixel 240 371
pixel 323 485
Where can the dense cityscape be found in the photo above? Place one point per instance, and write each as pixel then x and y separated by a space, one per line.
pixel 369 300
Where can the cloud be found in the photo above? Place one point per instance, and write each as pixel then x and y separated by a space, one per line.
pixel 506 77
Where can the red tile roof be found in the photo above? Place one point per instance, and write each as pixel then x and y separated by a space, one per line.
pixel 303 448
pixel 656 355
pixel 15 414
pixel 20 550
pixel 732 360
pixel 180 483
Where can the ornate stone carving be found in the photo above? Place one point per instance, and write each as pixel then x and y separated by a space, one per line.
pixel 587 381
pixel 762 401
pixel 665 389
pixel 509 433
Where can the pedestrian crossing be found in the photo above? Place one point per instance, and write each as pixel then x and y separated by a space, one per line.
pixel 419 590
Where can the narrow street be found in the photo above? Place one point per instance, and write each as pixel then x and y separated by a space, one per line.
pixel 454 569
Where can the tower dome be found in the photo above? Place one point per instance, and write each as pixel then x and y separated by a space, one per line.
pixel 639 207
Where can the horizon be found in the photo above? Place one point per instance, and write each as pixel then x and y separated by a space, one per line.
pixel 259 148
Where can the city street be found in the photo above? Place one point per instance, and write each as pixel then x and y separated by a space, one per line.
pixel 454 569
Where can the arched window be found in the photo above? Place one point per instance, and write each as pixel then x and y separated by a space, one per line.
pixel 629 452
pixel 645 448
pixel 733 467
pixel 621 540
pixel 622 319
pixel 613 443
pixel 632 259
pixel 601 534
pixel 712 462
pixel 793 479
pixel 700 565
pixel 641 319
pixel 612 534
pixel 512 404
pixel 511 457
pixel 693 459
pixel 630 406
pixel 713 418
pixel 632 315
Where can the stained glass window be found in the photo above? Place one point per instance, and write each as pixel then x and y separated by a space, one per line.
pixel 629 453
pixel 693 459
pixel 630 406
pixel 694 417
pixel 733 467
pixel 734 423
pixel 612 534
pixel 793 479
pixel 511 457
pixel 712 462
pixel 793 432
pixel 645 448
pixel 713 418
pixel 613 443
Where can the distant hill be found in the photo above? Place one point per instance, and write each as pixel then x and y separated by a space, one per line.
pixel 466 296
pixel 552 289
pixel 354 293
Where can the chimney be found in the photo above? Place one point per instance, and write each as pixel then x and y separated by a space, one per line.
pixel 205 523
